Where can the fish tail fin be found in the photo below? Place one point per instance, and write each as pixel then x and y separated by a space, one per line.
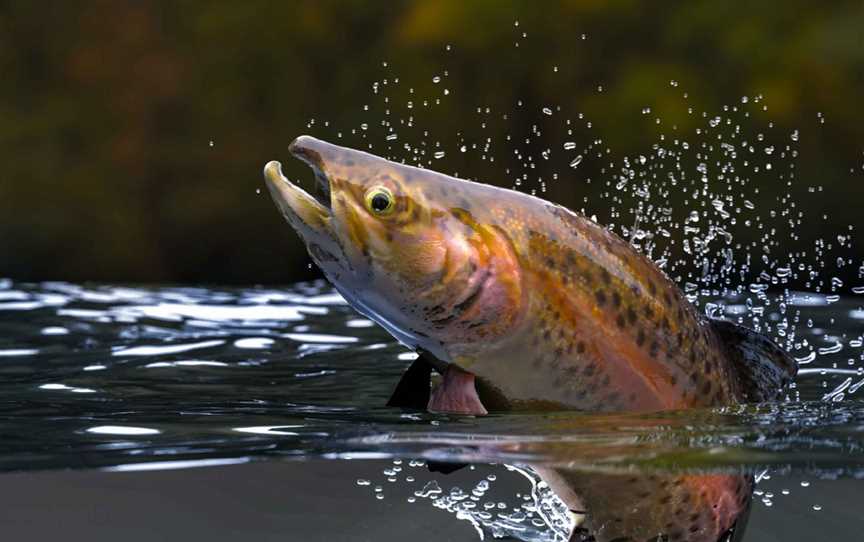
pixel 763 368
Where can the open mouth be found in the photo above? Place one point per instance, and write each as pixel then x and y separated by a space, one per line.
pixel 303 148
pixel 309 214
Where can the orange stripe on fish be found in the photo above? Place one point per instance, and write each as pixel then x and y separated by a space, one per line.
pixel 539 303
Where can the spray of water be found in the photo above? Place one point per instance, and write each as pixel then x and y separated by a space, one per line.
pixel 692 201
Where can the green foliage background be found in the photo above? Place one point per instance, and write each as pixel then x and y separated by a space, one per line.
pixel 107 109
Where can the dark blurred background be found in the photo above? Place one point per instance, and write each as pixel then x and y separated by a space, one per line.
pixel 133 134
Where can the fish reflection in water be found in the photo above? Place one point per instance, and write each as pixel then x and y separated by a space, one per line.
pixel 582 504
pixel 599 503
pixel 641 507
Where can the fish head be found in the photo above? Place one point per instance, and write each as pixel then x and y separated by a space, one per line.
pixel 399 244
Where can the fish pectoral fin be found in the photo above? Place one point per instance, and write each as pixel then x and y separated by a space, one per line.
pixel 763 368
pixel 414 389
pixel 457 394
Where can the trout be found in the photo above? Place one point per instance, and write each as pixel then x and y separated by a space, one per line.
pixel 513 298
pixel 523 304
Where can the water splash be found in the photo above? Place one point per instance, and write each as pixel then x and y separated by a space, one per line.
pixel 691 199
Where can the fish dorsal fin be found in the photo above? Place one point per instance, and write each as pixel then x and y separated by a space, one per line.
pixel 763 368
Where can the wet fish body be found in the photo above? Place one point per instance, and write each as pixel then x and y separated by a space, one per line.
pixel 542 305
pixel 521 303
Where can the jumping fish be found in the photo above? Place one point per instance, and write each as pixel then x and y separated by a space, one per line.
pixel 521 303
pixel 524 300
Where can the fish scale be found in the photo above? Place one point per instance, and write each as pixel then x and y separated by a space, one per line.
pixel 638 322
pixel 543 306
pixel 672 507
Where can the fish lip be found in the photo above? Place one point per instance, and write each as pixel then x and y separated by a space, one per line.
pixel 304 212
pixel 304 148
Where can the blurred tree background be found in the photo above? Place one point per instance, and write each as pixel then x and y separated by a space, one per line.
pixel 133 134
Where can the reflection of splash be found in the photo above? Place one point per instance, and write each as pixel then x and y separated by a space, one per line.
pixel 590 506
pixel 553 512
pixel 543 517
pixel 537 516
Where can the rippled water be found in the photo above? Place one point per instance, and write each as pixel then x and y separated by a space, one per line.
pixel 130 378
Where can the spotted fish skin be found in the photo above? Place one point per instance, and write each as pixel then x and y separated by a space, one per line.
pixel 542 304
pixel 601 323
pixel 619 507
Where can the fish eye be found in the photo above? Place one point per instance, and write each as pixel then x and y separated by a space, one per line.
pixel 379 200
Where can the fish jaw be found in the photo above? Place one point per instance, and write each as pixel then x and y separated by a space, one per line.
pixel 307 215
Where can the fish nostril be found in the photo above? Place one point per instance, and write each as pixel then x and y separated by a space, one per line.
pixel 306 148
pixel 298 146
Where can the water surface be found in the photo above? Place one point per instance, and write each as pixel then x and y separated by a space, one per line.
pixel 130 378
